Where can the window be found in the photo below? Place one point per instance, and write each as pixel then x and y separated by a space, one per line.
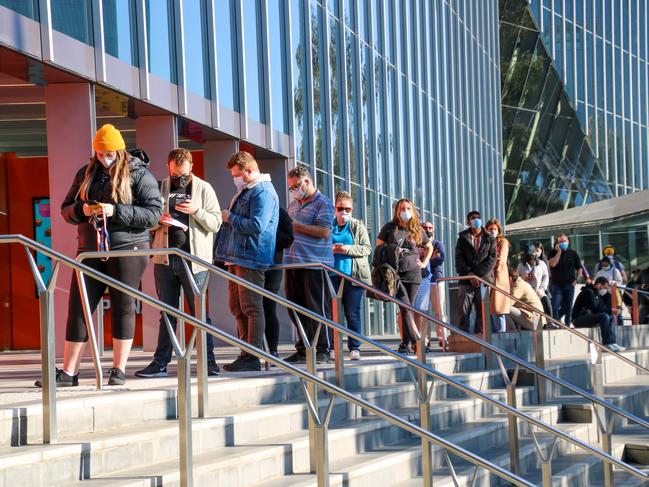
pixel 277 41
pixel 299 80
pixel 120 40
pixel 195 47
pixel 226 58
pixel 73 18
pixel 252 59
pixel 160 39
pixel 28 8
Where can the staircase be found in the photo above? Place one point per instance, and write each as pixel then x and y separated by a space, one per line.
pixel 256 431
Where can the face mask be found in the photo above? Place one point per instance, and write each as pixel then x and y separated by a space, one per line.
pixel 603 292
pixel 345 216
pixel 239 182
pixel 298 193
pixel 107 161
pixel 563 245
pixel 476 223
pixel 494 234
pixel 606 267
pixel 179 181
pixel 430 234
pixel 406 216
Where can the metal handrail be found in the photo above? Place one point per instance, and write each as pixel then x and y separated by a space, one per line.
pixel 574 331
pixel 415 364
pixel 627 288
pixel 295 371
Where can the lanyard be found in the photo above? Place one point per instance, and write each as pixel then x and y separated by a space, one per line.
pixel 101 226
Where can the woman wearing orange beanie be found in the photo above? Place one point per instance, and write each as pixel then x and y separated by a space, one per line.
pixel 113 201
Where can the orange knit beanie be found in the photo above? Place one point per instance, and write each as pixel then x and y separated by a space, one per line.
pixel 108 139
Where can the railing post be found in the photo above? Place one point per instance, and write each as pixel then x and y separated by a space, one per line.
pixel 486 324
pixel 101 346
pixel 539 353
pixel 312 368
pixel 336 312
pixel 605 428
pixel 514 438
pixel 614 305
pixel 85 302
pixel 635 312
pixel 185 419
pixel 424 393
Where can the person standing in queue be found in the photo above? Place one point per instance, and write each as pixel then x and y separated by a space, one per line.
pixel 499 302
pixel 406 232
pixel 114 200
pixel 188 223
pixel 351 246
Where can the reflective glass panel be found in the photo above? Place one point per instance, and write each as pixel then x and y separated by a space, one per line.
pixel 160 39
pixel 74 18
pixel 335 85
pixel 28 8
pixel 299 81
pixel 277 40
pixel 318 93
pixel 120 38
pixel 226 54
pixel 252 60
pixel 195 40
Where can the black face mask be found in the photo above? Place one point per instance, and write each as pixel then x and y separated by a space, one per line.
pixel 179 181
pixel 430 234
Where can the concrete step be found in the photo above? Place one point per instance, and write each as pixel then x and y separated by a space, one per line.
pixel 84 409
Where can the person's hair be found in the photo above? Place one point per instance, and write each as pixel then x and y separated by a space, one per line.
pixel 562 235
pixel 606 260
pixel 180 156
pixel 530 257
pixel 539 245
pixel 428 223
pixel 513 272
pixel 120 176
pixel 413 227
pixel 343 195
pixel 495 221
pixel 472 213
pixel 601 280
pixel 300 172
pixel 243 160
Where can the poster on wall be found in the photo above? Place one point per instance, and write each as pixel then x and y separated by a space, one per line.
pixel 43 235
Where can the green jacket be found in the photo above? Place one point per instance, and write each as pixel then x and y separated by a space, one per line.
pixel 360 250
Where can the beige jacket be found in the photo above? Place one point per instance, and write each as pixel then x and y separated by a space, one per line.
pixel 202 225
pixel 523 291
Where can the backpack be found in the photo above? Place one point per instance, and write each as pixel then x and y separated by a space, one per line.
pixel 385 277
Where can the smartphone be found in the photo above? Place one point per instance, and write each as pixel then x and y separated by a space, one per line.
pixel 93 205
pixel 178 199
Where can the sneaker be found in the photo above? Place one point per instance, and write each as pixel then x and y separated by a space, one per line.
pixel 212 368
pixel 62 380
pixel 322 358
pixel 245 363
pixel 116 377
pixel 619 348
pixel 403 349
pixel 296 358
pixel 355 355
pixel 154 369
pixel 612 347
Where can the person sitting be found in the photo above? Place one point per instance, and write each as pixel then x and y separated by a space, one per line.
pixel 521 316
pixel 593 308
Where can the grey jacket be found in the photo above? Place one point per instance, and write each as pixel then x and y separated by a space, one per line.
pixel 360 250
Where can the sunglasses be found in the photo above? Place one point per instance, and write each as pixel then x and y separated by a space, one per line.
pixel 428 228
pixel 344 208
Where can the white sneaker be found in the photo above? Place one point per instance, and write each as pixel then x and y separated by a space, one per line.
pixel 355 355
pixel 613 347
pixel 619 348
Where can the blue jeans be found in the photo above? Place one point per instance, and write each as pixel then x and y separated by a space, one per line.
pixel 562 300
pixel 168 281
pixel 603 320
pixel 352 299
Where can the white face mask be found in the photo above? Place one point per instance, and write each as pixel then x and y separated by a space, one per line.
pixel 107 161
pixel 494 234
pixel 298 193
pixel 239 182
pixel 603 292
pixel 406 216
pixel 344 216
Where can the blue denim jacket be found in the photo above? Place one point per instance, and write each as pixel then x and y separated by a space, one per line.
pixel 248 238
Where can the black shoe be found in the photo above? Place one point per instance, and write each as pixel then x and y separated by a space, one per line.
pixel 213 368
pixel 116 377
pixel 245 363
pixel 154 369
pixel 62 380
pixel 403 349
pixel 322 358
pixel 296 358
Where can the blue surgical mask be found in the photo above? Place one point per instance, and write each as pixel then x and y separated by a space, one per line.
pixel 476 223
pixel 563 246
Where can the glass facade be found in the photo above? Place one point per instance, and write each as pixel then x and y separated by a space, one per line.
pixel 599 50
pixel 383 98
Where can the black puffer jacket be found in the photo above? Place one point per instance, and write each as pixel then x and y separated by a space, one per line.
pixel 129 223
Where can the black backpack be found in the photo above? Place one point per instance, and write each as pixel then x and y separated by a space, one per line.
pixel 385 277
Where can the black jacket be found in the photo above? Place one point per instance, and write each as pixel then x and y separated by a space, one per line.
pixel 468 262
pixel 129 223
pixel 589 301
pixel 284 235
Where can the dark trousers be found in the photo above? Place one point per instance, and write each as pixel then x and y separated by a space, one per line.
pixel 272 283
pixel 306 287
pixel 352 301
pixel 247 306
pixel 407 295
pixel 603 320
pixel 129 270
pixel 169 279
pixel 469 298
pixel 562 300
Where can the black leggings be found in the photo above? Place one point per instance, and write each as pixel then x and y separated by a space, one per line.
pixel 128 270
pixel 272 283
pixel 408 298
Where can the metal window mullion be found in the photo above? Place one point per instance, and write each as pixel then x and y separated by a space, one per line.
pixel 179 31
pixel 646 81
pixel 212 55
pixel 98 33
pixel 264 54
pixel 344 100
pixel 325 94
pixel 309 126
pixel 288 29
pixel 241 67
pixel 142 49
pixel 47 42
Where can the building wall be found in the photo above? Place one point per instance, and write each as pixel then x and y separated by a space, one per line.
pixel 600 48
